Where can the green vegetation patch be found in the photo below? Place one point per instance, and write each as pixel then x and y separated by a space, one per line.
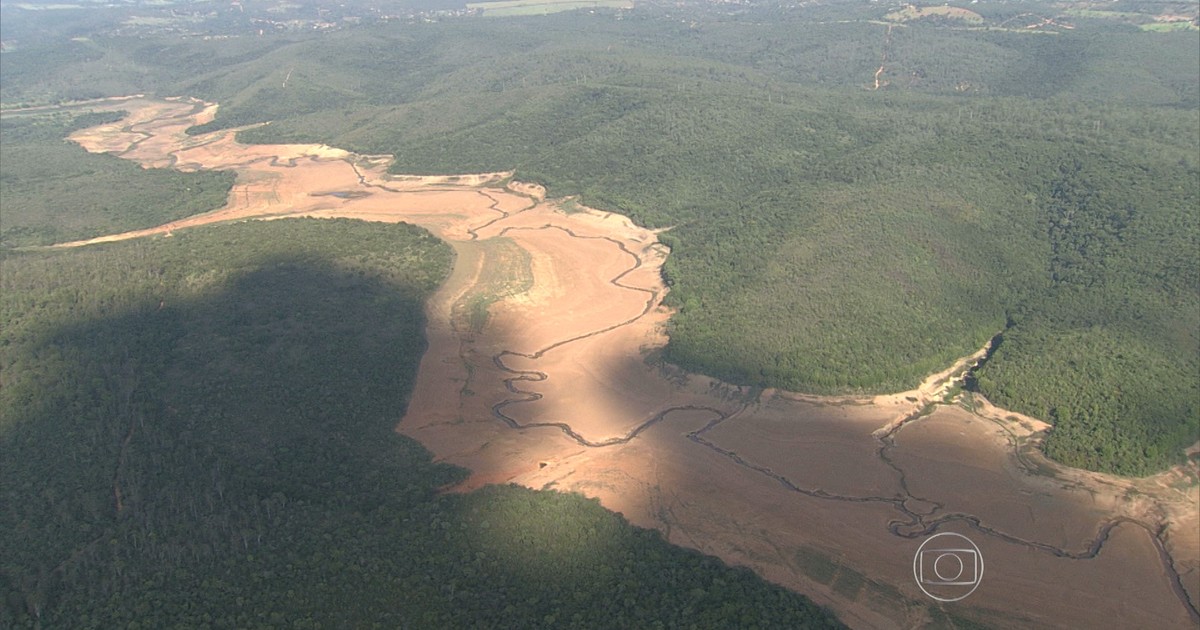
pixel 849 583
pixel 1117 402
pixel 886 599
pixel 816 565
pixel 54 191
pixel 505 272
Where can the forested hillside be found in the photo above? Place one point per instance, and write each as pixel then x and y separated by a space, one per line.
pixel 855 200
pixel 197 431
pixel 54 191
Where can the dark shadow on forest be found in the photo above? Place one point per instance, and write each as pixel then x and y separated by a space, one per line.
pixel 229 459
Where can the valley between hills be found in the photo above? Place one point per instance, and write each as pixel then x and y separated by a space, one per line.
pixel 544 369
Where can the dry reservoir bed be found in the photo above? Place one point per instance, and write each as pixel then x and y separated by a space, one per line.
pixel 537 373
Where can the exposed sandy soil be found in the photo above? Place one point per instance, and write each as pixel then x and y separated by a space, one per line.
pixel 557 388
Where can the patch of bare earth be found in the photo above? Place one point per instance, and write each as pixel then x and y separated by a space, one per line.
pixel 540 372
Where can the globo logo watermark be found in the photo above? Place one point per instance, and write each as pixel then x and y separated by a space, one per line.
pixel 948 567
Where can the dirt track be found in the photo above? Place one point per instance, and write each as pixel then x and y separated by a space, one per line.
pixel 537 373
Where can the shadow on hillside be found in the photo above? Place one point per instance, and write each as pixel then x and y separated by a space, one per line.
pixel 229 459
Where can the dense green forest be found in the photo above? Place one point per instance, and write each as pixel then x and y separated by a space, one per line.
pixel 1107 351
pixel 51 190
pixel 827 236
pixel 197 431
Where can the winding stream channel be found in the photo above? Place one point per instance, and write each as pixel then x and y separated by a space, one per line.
pixel 559 389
